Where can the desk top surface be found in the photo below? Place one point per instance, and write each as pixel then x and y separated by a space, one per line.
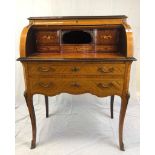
pixel 76 57
pixel 78 17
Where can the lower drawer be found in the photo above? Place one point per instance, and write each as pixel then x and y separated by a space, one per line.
pixel 96 86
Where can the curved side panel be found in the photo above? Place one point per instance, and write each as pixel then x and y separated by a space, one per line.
pixel 129 37
pixel 23 39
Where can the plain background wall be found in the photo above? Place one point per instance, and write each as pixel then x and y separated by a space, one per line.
pixel 27 8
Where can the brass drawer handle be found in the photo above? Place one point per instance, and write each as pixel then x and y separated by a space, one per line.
pixel 101 85
pixel 75 84
pixel 45 85
pixel 75 69
pixel 103 70
pixel 45 69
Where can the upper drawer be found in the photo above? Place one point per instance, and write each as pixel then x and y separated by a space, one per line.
pixel 75 69
pixel 109 36
pixel 47 37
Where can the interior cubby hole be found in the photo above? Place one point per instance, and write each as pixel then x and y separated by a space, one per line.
pixel 76 37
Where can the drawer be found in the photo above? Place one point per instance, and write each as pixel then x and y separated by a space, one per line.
pixel 77 48
pixel 108 36
pixel 48 49
pixel 96 86
pixel 47 37
pixel 106 48
pixel 46 69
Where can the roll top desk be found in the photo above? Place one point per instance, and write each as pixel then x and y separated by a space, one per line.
pixel 76 55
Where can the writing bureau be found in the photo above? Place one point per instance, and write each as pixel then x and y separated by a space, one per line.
pixel 76 55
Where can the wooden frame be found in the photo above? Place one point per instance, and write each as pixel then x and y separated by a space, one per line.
pixel 99 73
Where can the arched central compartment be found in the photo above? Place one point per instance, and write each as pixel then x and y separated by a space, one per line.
pixel 76 37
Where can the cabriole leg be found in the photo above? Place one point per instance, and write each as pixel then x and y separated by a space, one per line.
pixel 111 106
pixel 46 104
pixel 124 103
pixel 29 102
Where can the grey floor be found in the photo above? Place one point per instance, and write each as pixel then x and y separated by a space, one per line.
pixel 77 125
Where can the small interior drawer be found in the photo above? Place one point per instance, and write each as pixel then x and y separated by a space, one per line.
pixel 47 37
pixel 106 48
pixel 108 36
pixel 77 48
pixel 48 48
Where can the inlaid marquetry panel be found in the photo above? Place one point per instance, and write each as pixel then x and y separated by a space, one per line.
pixel 107 36
pixel 47 48
pixel 106 48
pixel 47 37
pixel 78 48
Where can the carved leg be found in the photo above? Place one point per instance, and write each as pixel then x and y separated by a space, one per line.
pixel 124 103
pixel 46 104
pixel 128 97
pixel 29 102
pixel 111 106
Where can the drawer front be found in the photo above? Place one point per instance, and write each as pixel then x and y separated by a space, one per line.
pixel 96 86
pixel 45 69
pixel 106 48
pixel 47 37
pixel 48 49
pixel 77 48
pixel 107 36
